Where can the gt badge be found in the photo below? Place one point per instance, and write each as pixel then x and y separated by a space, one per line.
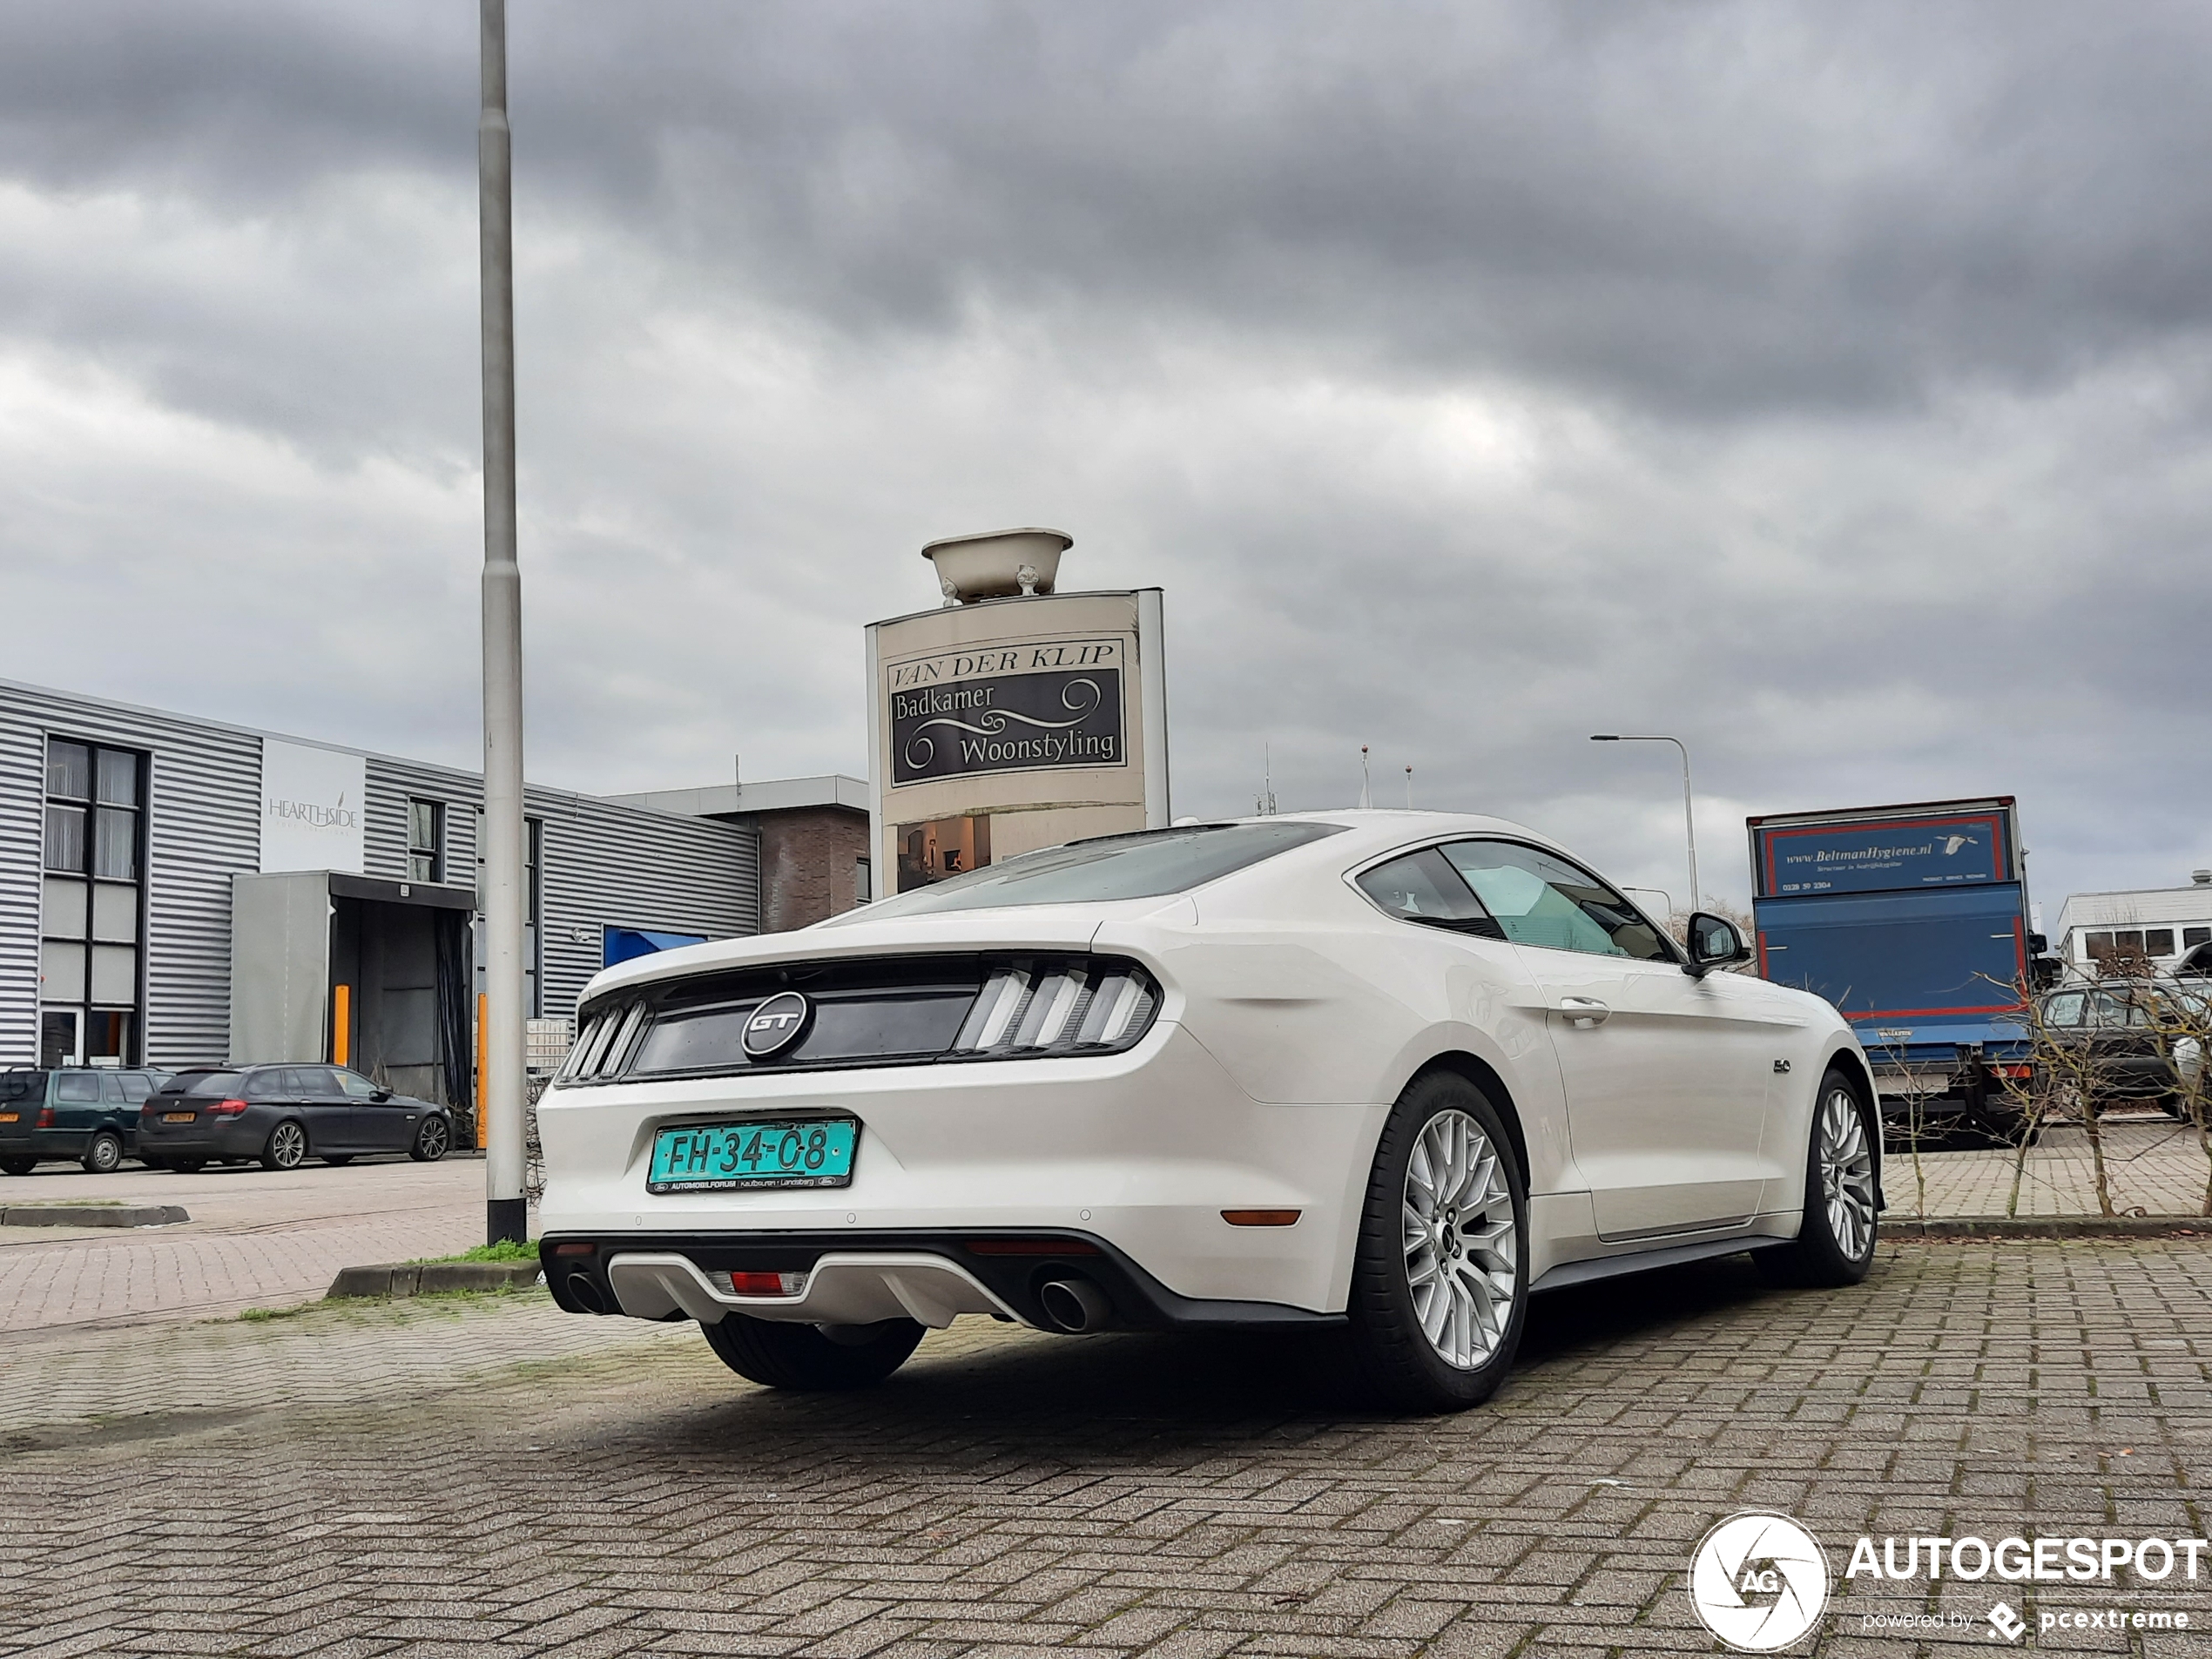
pixel 776 1025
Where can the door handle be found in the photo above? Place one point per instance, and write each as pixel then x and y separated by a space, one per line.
pixel 1584 1013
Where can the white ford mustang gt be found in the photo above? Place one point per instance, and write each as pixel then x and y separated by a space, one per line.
pixel 1383 1073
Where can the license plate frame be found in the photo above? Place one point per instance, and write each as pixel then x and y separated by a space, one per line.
pixel 723 1169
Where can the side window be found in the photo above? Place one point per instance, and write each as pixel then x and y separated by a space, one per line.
pixel 137 1086
pixel 2064 1009
pixel 356 1086
pixel 1423 887
pixel 112 1089
pixel 270 1084
pixel 78 1087
pixel 314 1082
pixel 1540 898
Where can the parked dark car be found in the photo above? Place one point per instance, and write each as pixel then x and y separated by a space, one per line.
pixel 283 1116
pixel 87 1114
pixel 2144 1040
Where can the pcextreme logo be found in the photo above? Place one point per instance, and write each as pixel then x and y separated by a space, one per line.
pixel 1758 1581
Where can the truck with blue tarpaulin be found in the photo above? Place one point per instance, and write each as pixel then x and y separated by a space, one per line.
pixel 1914 921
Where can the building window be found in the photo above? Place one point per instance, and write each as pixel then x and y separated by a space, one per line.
pixel 426 840
pixel 863 889
pixel 2192 937
pixel 2158 942
pixel 89 951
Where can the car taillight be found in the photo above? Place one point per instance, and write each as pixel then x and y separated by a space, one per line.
pixel 224 1109
pixel 45 1117
pixel 2018 1074
pixel 1060 1006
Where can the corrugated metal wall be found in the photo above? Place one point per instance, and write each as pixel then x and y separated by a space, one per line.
pixel 204 824
pixel 604 864
pixel 22 837
pixel 619 865
pixel 391 784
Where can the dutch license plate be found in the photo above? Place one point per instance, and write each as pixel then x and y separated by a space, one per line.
pixel 9 1117
pixel 178 1117
pixel 785 1152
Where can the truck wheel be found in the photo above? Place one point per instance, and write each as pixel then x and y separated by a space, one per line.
pixel 1835 1242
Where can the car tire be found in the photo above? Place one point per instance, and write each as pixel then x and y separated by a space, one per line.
pixel 432 1141
pixel 18 1166
pixel 287 1146
pixel 1427 1330
pixel 1835 1242
pixel 779 1353
pixel 103 1153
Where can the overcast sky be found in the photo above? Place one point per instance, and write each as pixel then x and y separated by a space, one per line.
pixel 1827 385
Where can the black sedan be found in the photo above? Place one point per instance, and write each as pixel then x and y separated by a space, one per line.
pixel 283 1116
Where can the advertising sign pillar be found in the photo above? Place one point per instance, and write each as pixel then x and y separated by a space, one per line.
pixel 1015 718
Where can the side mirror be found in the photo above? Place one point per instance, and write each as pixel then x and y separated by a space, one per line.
pixel 380 1095
pixel 1714 942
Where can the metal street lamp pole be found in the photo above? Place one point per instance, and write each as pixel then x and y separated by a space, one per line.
pixel 503 899
pixel 1689 817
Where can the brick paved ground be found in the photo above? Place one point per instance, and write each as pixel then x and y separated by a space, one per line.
pixel 497 1478
pixel 2152 1165
pixel 256 1237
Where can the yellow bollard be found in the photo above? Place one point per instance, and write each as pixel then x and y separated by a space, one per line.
pixel 483 1057
pixel 341 1024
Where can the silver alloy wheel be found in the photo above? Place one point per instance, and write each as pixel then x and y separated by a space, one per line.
pixel 287 1146
pixel 104 1155
pixel 1462 1248
pixel 1846 1173
pixel 432 1141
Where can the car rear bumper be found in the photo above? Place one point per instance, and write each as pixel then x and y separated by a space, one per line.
pixel 1140 1152
pixel 849 1278
pixel 230 1137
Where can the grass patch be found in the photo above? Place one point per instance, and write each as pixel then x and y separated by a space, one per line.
pixel 506 1251
pixel 262 1316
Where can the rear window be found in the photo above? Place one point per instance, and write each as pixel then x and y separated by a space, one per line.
pixel 23 1085
pixel 202 1082
pixel 1148 864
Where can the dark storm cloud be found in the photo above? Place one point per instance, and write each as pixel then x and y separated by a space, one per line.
pixel 1714 208
pixel 1826 383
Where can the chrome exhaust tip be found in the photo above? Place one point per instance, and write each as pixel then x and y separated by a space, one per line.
pixel 1075 1306
pixel 584 1292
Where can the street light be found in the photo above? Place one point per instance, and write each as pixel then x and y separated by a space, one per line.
pixel 1688 820
pixel 502 898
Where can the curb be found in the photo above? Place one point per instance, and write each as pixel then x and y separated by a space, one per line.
pixel 92 1215
pixel 2050 1227
pixel 430 1278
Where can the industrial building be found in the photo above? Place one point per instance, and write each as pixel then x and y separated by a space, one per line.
pixel 176 890
pixel 2161 925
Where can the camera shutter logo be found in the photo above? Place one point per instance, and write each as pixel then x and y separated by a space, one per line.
pixel 1758 1581
pixel 776 1025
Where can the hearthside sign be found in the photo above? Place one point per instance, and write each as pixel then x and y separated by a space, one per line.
pixel 1044 706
